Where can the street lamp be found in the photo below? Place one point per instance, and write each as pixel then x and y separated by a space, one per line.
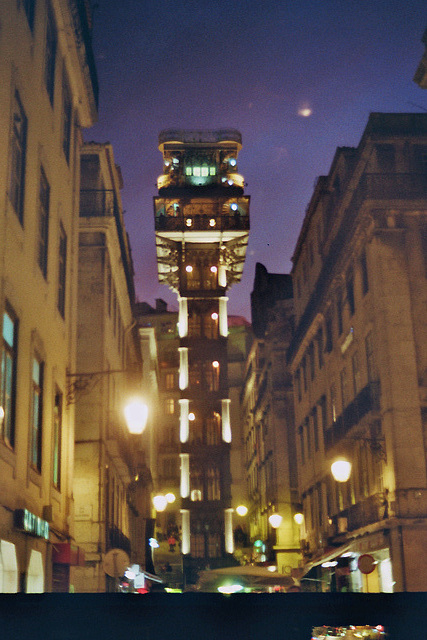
pixel 160 502
pixel 241 510
pixel 136 414
pixel 275 520
pixel 299 518
pixel 341 469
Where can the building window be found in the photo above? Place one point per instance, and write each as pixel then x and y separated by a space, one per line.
pixel 109 287
pixel 344 389
pixel 298 384
pixel 308 431
pixel 57 433
pixel 328 327
pixel 170 381
pixel 304 270
pixel 214 545
pixel 44 197
pixel 62 270
pixel 311 253
pixel 304 372
pixel 356 373
pixel 198 545
pixel 170 467
pixel 320 347
pixel 67 113
pixel 301 444
pixel 350 292
pixel 50 55
pixel 364 270
pixel 8 376
pixel 18 153
pixel 385 157
pixel 370 360
pixel 36 413
pixel 323 412
pixel 311 360
pixel 339 312
pixel 213 429
pixel 29 8
pixel 170 406
pixel 315 429
pixel 334 402
pixel 213 484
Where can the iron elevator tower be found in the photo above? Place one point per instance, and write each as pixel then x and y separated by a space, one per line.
pixel 202 228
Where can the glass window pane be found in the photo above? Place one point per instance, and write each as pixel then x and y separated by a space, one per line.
pixel 8 329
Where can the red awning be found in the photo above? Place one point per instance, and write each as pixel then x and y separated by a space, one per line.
pixel 68 553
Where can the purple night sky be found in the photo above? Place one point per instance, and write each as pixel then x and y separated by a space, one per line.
pixel 251 66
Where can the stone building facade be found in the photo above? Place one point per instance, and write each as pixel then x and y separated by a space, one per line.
pixel 359 361
pixel 48 93
pixel 109 463
pixel 268 423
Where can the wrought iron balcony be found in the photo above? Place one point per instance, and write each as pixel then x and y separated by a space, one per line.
pixel 227 215
pixel 367 400
pixel 360 514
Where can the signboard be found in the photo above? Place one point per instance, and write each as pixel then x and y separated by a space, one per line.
pixel 115 562
pixel 366 563
pixel 28 522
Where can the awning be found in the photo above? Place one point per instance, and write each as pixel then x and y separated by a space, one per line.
pixel 9 583
pixel 68 553
pixel 329 554
pixel 35 573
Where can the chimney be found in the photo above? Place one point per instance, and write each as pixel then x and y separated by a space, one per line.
pixel 161 305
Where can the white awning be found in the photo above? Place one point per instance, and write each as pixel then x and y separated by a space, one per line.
pixel 35 573
pixel 9 582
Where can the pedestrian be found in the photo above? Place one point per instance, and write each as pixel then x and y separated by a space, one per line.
pixel 172 543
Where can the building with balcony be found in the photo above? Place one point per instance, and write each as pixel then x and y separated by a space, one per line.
pixel 359 361
pixel 109 465
pixel 48 93
pixel 202 223
pixel 268 424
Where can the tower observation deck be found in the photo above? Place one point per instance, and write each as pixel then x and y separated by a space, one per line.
pixel 202 227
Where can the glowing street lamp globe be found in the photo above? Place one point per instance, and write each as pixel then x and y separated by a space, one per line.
pixel 275 520
pixel 241 510
pixel 136 414
pixel 299 518
pixel 341 470
pixel 160 502
pixel 170 497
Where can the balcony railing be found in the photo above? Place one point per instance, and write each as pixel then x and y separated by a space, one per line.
pixel 360 514
pixel 367 400
pixel 201 223
pixel 179 179
pixel 98 202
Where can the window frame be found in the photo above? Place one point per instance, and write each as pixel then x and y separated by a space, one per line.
pixel 43 222
pixel 62 271
pixel 9 353
pixel 67 117
pixel 57 439
pixel 18 149
pixel 51 43
pixel 36 425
